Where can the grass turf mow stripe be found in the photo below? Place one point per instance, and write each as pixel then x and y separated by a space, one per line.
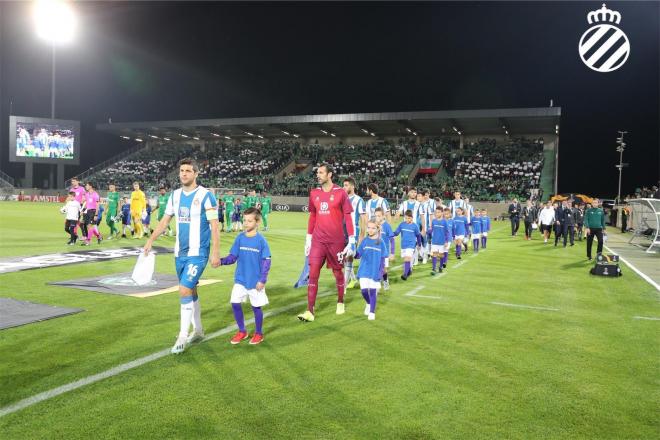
pixel 133 364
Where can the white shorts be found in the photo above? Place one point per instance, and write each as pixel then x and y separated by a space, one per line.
pixel 368 283
pixel 484 234
pixel 459 237
pixel 387 262
pixel 239 294
pixel 476 236
pixel 407 252
pixel 438 248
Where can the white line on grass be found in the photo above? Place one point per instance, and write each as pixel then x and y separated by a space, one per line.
pixel 417 289
pixel 522 306
pixel 648 318
pixel 21 404
pixel 639 272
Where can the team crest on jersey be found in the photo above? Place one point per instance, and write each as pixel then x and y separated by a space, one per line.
pixel 324 206
pixel 196 202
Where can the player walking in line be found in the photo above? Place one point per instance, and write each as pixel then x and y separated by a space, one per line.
pixel 251 251
pixel 197 238
pixel 409 235
pixel 163 197
pixel 460 225
pixel 377 202
pixel 359 216
pixel 440 235
pixel 112 208
pixel 329 210
pixel 266 204
pixel 228 201
pixel 138 206
pixel 373 251
pixel 388 235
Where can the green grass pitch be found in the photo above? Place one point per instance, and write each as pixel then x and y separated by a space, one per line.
pixel 453 366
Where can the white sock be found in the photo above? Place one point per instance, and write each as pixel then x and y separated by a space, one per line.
pixel 197 317
pixel 186 318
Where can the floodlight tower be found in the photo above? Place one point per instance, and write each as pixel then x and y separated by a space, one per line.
pixel 55 22
pixel 620 147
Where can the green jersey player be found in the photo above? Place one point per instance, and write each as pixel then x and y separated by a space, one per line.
pixel 228 200
pixel 163 197
pixel 112 210
pixel 266 204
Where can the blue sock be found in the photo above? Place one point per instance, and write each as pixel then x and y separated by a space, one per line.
pixel 435 262
pixel 459 249
pixel 406 268
pixel 372 300
pixel 475 244
pixel 445 258
pixel 238 315
pixel 365 295
pixel 258 319
pixel 484 242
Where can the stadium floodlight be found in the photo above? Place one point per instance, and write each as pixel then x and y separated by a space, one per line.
pixel 166 139
pixel 138 139
pixel 372 134
pixel 216 135
pixel 183 135
pixel 324 132
pixel 414 133
pixel 285 132
pixel 333 135
pixel 248 133
pixel 153 136
pixel 55 21
pixel 296 135
pixel 125 137
pixel 408 130
pixel 196 138
pixel 260 136
pixel 227 137
pixel 366 131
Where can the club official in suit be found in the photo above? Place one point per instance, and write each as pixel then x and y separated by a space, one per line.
pixel 514 215
pixel 568 223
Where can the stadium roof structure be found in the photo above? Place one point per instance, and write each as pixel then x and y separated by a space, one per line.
pixel 528 121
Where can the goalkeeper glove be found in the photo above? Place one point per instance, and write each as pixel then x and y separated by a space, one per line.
pixel 308 244
pixel 349 250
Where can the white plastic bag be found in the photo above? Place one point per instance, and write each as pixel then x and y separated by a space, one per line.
pixel 144 269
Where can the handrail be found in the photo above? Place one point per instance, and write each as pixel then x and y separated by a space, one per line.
pixel 7 178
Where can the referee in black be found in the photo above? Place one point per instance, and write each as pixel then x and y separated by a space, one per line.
pixel 594 222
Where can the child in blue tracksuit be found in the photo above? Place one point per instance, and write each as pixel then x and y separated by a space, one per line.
pixel 476 230
pixel 409 235
pixel 460 229
pixel 449 224
pixel 485 227
pixel 388 235
pixel 251 251
pixel 146 221
pixel 373 251
pixel 126 218
pixel 440 235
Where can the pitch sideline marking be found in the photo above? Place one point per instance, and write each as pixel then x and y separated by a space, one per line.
pixel 522 306
pixel 647 318
pixel 637 271
pixel 114 371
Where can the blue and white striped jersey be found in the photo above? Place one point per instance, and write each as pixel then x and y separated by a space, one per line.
pixel 455 204
pixel 379 202
pixel 415 207
pixel 359 208
pixel 193 230
pixel 429 212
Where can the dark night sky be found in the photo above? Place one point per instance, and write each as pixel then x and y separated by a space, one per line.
pixel 154 61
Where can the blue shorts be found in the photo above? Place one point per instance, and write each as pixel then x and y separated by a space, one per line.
pixel 189 270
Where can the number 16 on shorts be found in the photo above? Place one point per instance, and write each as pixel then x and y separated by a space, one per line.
pixel 189 270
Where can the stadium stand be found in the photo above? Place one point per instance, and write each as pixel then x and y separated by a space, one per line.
pixel 485 169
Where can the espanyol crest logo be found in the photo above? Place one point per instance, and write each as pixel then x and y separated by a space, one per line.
pixel 604 47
